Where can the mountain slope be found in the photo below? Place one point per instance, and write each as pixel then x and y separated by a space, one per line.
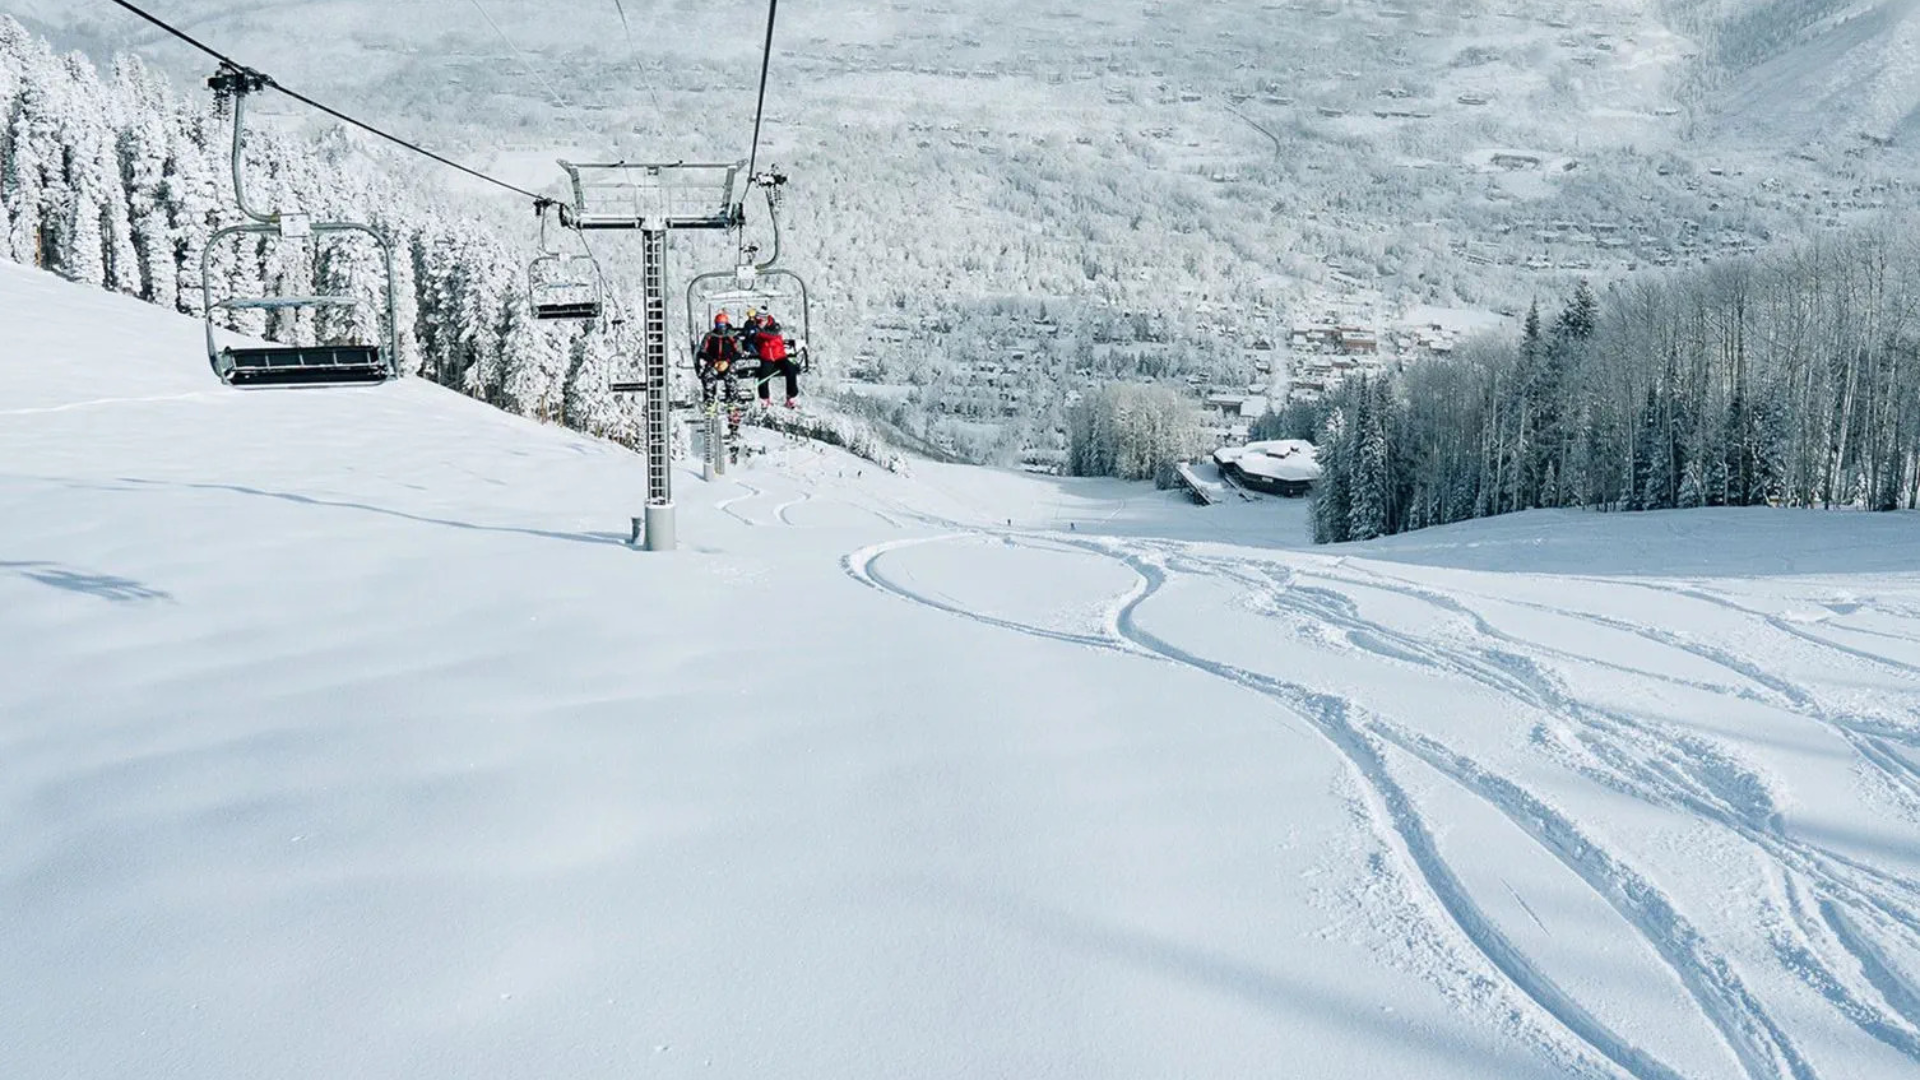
pixel 344 737
pixel 1812 71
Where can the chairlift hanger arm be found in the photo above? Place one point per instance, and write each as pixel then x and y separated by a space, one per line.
pixel 770 184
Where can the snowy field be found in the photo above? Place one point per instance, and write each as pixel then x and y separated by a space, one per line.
pixel 342 736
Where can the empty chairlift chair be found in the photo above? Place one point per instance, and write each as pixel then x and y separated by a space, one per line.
pixel 563 286
pixel 291 365
pixel 564 292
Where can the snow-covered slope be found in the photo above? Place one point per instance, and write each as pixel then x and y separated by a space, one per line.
pixel 1808 71
pixel 343 737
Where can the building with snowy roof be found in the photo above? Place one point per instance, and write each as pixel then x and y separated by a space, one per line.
pixel 1286 467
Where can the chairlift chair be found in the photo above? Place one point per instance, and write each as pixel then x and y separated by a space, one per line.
pixel 563 286
pixel 567 293
pixel 779 292
pixel 759 285
pixel 290 365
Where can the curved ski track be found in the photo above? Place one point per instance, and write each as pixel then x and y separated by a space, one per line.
pixel 1756 1041
pixel 1701 778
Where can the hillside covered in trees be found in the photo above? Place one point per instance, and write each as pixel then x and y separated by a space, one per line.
pixel 1787 380
pixel 1207 170
pixel 119 181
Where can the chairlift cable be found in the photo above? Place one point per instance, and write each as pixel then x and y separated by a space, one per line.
pixel 633 54
pixel 525 60
pixel 760 109
pixel 181 34
pixel 235 65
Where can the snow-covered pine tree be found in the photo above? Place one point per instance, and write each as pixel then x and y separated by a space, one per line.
pixel 192 196
pixel 1333 492
pixel 1369 489
pixel 536 358
pixel 98 238
pixel 12 42
pixel 31 179
pixel 145 158
pixel 350 264
pixel 482 317
pixel 1650 459
pixel 590 406
pixel 406 301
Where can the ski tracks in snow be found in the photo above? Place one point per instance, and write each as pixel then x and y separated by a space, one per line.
pixel 1691 774
pixel 1839 909
pixel 1398 822
pixel 807 477
pixel 726 506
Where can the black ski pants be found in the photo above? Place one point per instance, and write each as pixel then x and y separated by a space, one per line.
pixel 786 368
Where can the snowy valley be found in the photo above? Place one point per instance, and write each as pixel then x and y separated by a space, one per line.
pixel 1007 205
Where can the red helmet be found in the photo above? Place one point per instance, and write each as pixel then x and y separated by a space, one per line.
pixel 722 319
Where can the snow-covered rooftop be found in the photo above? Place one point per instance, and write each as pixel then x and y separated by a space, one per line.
pixel 1287 460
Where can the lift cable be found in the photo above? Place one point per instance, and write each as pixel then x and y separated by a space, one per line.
pixel 633 54
pixel 760 109
pixel 525 60
pixel 267 80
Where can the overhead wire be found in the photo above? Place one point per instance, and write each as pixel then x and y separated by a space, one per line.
pixel 633 54
pixel 303 99
pixel 525 60
pixel 760 108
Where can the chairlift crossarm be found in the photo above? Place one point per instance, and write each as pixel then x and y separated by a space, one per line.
pixel 659 195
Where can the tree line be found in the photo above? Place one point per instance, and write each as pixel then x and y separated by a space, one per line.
pixel 1133 431
pixel 1784 380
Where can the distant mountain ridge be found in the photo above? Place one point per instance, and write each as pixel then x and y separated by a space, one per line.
pixel 1809 70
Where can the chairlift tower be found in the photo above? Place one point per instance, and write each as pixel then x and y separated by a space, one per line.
pixel 654 199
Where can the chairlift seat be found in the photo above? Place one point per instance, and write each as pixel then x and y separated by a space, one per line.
pixel 291 365
pixel 305 365
pixel 589 309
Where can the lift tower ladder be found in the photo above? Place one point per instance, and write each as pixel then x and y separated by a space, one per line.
pixel 654 199
pixel 654 337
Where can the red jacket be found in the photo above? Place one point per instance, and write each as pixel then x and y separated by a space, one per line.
pixel 773 344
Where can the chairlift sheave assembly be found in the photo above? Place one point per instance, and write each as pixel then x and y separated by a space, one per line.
pixel 290 365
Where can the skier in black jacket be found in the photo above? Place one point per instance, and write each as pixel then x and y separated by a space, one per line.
pixel 718 360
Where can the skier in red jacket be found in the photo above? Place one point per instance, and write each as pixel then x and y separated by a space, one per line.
pixel 771 344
